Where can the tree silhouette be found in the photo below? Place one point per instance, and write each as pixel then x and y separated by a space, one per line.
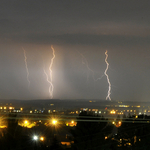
pixel 90 132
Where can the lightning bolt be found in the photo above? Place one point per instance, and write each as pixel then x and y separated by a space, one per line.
pixel 109 90
pixel 25 60
pixel 51 87
pixel 51 64
pixel 84 61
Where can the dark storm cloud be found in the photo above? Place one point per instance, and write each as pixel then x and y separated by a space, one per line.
pixel 85 39
pixel 91 27
pixel 57 17
pixel 74 22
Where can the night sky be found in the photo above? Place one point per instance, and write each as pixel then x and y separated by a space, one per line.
pixel 75 28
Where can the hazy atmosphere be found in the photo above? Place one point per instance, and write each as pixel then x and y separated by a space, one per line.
pixel 80 32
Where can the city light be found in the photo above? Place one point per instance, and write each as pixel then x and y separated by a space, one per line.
pixel 41 138
pixel 112 112
pixel 11 108
pixel 119 124
pixel 35 137
pixel 54 122
pixel 113 122
pixel 25 122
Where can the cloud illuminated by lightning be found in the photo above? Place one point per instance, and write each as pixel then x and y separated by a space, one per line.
pixel 109 90
pixel 25 60
pixel 50 81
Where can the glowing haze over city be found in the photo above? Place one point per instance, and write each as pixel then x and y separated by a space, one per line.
pixel 75 50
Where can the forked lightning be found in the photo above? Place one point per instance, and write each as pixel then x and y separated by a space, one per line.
pixel 84 61
pixel 50 77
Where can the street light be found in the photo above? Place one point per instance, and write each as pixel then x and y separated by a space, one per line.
pixel 113 122
pixel 119 122
pixel 41 138
pixel 54 122
pixel 35 138
pixel 25 122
